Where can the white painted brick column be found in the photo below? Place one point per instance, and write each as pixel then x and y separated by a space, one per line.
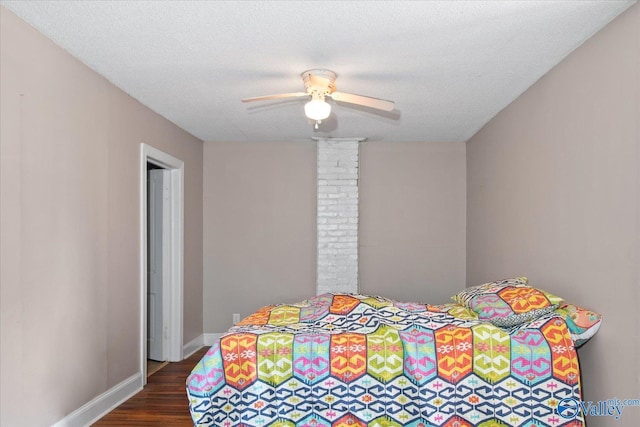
pixel 337 214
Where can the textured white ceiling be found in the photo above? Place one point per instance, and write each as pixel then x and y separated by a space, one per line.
pixel 450 66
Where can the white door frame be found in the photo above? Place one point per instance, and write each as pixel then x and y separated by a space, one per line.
pixel 175 168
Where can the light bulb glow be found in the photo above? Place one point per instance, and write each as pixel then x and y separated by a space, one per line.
pixel 317 109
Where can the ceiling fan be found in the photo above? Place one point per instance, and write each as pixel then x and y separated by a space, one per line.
pixel 319 84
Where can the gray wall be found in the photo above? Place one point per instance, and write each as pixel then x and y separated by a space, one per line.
pixel 69 209
pixel 553 193
pixel 259 227
pixel 412 220
pixel 260 223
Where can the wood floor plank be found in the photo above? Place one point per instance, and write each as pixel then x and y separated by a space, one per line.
pixel 162 402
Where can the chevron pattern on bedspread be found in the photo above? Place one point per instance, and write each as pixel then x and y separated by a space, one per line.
pixel 357 360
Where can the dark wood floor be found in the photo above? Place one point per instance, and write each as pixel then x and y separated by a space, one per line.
pixel 162 402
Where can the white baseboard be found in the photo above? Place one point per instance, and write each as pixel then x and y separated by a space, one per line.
pixel 192 346
pixel 209 339
pixel 101 405
pixel 204 340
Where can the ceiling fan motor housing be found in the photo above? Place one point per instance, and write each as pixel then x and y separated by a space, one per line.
pixel 320 81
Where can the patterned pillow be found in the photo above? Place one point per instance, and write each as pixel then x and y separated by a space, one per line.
pixel 508 302
pixel 469 294
pixel 582 323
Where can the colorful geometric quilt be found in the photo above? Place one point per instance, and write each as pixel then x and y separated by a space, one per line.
pixel 355 360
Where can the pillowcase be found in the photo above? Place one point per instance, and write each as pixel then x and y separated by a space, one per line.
pixel 467 295
pixel 508 302
pixel 582 323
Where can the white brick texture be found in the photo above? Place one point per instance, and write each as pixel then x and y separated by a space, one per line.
pixel 337 214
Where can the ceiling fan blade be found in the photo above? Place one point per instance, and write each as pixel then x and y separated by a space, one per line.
pixel 367 101
pixel 278 96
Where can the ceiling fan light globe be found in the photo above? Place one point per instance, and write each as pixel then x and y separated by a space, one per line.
pixel 317 109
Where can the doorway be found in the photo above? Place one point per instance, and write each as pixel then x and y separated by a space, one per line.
pixel 158 253
pixel 161 259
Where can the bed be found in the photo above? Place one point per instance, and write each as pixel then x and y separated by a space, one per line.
pixel 503 354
